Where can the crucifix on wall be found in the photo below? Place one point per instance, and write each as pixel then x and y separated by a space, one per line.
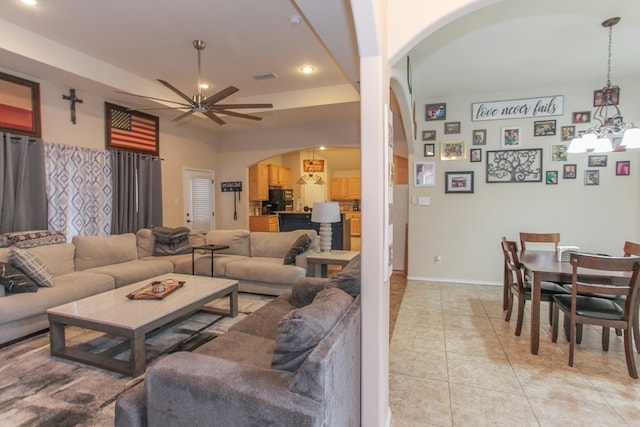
pixel 73 99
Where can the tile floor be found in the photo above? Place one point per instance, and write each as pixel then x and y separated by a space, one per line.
pixel 454 361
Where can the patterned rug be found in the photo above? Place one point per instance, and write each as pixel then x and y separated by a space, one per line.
pixel 39 390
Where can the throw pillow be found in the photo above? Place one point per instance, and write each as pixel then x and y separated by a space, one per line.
pixel 14 280
pixel 348 279
pixel 32 267
pixel 301 244
pixel 171 241
pixel 29 239
pixel 300 330
pixel 305 289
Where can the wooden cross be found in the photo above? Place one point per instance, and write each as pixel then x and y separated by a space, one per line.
pixel 73 99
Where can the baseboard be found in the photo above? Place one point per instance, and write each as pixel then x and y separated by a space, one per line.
pixel 459 281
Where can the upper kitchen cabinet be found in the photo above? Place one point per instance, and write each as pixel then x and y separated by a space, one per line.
pixel 259 182
pixel 345 188
pixel 279 176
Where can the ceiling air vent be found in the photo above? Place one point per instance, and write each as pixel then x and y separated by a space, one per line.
pixel 267 76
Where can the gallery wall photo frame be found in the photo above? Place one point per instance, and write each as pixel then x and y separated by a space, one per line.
pixel 511 137
pixel 451 127
pixel 569 171
pixel 479 137
pixel 544 128
pixel 453 150
pixel 599 98
pixel 592 177
pixel 435 111
pixel 424 174
pixel 567 133
pixel 623 167
pixel 429 150
pixel 428 135
pixel 559 153
pixel 20 106
pixel 581 117
pixel 458 182
pixel 551 177
pixel 475 155
pixel 131 130
pixel 598 161
pixel 514 166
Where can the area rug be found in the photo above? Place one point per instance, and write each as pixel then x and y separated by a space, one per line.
pixel 39 390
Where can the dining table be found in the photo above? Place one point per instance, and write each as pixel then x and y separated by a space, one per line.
pixel 544 266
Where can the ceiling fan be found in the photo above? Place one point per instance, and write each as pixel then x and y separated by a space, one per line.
pixel 201 104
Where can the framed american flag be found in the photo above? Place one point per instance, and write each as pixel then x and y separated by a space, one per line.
pixel 131 130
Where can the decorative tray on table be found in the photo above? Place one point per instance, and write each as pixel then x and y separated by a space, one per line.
pixel 156 289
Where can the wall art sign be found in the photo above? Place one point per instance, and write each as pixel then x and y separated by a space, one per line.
pixel 518 108
pixel 19 106
pixel 131 130
pixel 514 165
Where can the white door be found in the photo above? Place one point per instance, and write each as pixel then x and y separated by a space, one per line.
pixel 199 202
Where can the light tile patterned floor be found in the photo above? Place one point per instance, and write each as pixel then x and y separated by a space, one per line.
pixel 454 361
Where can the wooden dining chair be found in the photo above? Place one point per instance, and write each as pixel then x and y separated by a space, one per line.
pixel 633 249
pixel 522 288
pixel 587 304
pixel 539 238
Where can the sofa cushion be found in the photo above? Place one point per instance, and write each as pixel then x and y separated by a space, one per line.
pixel 237 240
pixel 301 244
pixel 126 273
pixel 171 241
pixel 242 348
pixel 348 279
pixel 15 280
pixel 264 321
pixel 275 245
pixel 305 290
pixel 203 264
pixel 29 239
pixel 303 328
pixel 96 251
pixel 31 266
pixel 269 270
pixel 58 258
pixel 145 242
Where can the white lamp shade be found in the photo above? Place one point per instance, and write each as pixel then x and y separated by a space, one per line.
pixel 631 138
pixel 603 145
pixel 589 140
pixel 325 212
pixel 576 146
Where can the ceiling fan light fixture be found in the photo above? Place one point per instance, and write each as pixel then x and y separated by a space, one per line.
pixel 307 69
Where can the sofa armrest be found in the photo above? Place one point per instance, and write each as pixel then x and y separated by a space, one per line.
pixel 301 259
pixel 193 389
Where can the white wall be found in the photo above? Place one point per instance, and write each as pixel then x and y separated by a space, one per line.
pixel 465 229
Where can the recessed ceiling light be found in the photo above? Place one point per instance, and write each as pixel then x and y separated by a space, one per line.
pixel 204 86
pixel 307 69
pixel 323 148
pixel 29 2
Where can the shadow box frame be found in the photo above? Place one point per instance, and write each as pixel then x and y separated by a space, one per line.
pixel 27 99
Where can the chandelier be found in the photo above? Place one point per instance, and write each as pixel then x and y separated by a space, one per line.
pixel 610 123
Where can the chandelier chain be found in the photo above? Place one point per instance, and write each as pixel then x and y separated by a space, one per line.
pixel 609 58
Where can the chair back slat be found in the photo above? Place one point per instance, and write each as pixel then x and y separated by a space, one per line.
pixel 631 249
pixel 510 251
pixel 539 238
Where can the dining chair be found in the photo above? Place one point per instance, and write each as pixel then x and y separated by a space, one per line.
pixel 633 249
pixel 586 304
pixel 521 288
pixel 539 238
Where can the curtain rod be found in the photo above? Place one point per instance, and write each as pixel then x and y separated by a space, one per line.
pixel 129 153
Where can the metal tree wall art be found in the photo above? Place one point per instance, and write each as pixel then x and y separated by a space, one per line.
pixel 514 165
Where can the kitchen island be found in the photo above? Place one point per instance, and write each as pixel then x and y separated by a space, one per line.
pixel 341 231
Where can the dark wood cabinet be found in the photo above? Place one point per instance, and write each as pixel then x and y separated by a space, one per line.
pixel 340 231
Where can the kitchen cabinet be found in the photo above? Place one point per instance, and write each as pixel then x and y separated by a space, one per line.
pixel 355 222
pixel 259 182
pixel 345 188
pixel 279 176
pixel 340 233
pixel 263 223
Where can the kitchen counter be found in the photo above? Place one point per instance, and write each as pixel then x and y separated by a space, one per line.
pixel 340 231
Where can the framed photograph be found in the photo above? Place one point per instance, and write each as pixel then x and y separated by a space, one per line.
pixel 452 150
pixel 559 153
pixel 511 137
pixel 429 150
pixel 569 171
pixel 599 99
pixel 551 177
pixel 567 133
pixel 480 137
pixel 19 106
pixel 475 154
pixel 458 182
pixel 581 117
pixel 424 174
pixel 544 128
pixel 622 167
pixel 428 135
pixel 592 177
pixel 514 166
pixel 599 161
pixel 452 127
pixel 435 111
pixel 131 130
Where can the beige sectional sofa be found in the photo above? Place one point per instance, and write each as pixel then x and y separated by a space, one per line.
pixel 93 264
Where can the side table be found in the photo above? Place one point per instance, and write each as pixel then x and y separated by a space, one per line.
pixel 211 248
pixel 319 261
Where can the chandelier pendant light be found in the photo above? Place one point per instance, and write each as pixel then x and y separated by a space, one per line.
pixel 610 122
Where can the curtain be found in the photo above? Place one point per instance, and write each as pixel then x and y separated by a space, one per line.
pixel 79 189
pixel 137 192
pixel 22 184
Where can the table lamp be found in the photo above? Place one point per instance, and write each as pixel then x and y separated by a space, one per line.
pixel 325 213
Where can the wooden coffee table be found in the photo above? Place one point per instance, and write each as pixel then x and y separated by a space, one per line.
pixel 113 313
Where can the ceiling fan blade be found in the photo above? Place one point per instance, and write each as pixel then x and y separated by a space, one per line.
pixel 225 106
pixel 155 99
pixel 221 95
pixel 182 95
pixel 215 118
pixel 159 108
pixel 242 116
pixel 183 116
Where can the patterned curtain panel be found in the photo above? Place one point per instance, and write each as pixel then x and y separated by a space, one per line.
pixel 79 190
pixel 22 184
